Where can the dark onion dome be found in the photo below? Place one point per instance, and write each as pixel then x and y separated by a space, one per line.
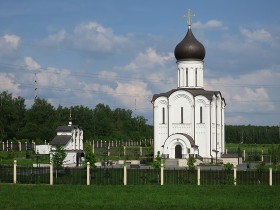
pixel 189 48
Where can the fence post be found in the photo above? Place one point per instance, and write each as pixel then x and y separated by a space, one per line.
pixel 93 146
pixel 88 173
pixel 161 174
pixel 234 175
pixel 51 173
pixel 11 145
pixel 15 171
pixel 141 152
pixel 244 155
pixel 270 176
pixel 19 145
pixel 198 175
pixel 124 151
pixel 124 175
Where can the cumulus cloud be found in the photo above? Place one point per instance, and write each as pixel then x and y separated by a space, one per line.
pixel 89 37
pixel 148 60
pixel 256 35
pixel 8 83
pixel 208 25
pixel 31 64
pixel 248 93
pixel 9 43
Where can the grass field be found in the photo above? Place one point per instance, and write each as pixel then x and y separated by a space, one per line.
pixel 138 197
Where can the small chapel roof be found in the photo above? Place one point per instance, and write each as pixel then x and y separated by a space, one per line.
pixel 61 140
pixel 66 128
pixel 194 91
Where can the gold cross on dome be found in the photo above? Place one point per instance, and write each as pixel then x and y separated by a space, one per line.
pixel 189 17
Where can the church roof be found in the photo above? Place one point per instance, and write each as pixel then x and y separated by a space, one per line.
pixel 61 140
pixel 194 91
pixel 189 48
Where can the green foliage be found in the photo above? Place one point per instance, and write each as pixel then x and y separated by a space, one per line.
pixel 41 120
pixel 89 156
pixel 58 156
pixel 190 162
pixel 157 161
pixel 274 152
pixel 250 134
pixel 228 167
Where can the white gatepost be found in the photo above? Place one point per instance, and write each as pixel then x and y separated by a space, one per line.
pixel 124 175
pixel 270 176
pixel 88 173
pixel 93 146
pixel 141 152
pixel 51 173
pixel 198 175
pixel 15 171
pixel 244 155
pixel 161 175
pixel 19 145
pixel 3 146
pixel 7 145
pixel 234 175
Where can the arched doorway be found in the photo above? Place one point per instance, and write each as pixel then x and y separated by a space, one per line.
pixel 178 151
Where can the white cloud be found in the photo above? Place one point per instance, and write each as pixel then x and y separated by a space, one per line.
pixel 208 25
pixel 256 35
pixel 9 43
pixel 90 37
pixel 94 37
pixel 55 39
pixel 31 64
pixel 148 60
pixel 248 93
pixel 131 92
pixel 7 83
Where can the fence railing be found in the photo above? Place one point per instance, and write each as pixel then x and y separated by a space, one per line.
pixel 137 176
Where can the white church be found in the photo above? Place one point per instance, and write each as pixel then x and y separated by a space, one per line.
pixel 189 120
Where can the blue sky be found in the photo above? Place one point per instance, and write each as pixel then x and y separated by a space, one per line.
pixel 121 52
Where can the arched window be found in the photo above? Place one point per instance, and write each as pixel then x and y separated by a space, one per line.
pixel 195 77
pixel 187 77
pixel 182 115
pixel 163 115
pixel 200 112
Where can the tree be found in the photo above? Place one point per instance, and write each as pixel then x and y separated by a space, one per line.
pixel 57 157
pixel 157 161
pixel 190 162
pixel 89 156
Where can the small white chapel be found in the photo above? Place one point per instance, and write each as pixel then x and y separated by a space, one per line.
pixel 189 120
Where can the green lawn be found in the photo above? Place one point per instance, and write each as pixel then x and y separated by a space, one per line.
pixel 138 197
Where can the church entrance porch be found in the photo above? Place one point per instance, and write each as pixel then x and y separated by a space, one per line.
pixel 178 146
pixel 178 151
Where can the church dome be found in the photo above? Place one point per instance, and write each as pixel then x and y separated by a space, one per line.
pixel 189 48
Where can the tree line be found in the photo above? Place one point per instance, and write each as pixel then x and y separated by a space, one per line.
pixel 251 134
pixel 40 121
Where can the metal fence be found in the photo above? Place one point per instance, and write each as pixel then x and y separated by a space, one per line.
pixel 134 176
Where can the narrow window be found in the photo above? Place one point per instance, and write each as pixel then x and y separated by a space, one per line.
pixel 195 77
pixel 200 114
pixel 163 115
pixel 187 77
pixel 182 115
